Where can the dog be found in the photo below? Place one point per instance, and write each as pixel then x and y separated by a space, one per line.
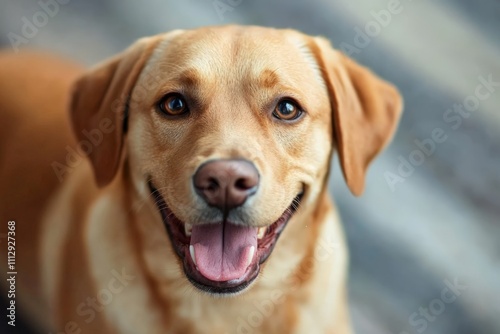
pixel 185 190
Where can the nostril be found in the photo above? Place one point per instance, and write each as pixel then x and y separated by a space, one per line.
pixel 213 184
pixel 243 184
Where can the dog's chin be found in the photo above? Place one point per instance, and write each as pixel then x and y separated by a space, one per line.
pixel 180 238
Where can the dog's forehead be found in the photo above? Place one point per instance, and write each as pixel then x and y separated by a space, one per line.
pixel 238 52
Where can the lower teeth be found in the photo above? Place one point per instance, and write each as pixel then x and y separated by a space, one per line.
pixel 261 232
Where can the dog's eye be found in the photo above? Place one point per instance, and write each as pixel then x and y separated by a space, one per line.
pixel 287 110
pixel 173 105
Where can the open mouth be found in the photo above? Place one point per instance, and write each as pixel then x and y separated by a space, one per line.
pixel 222 258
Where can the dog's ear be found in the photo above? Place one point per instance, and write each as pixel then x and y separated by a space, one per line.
pixel 366 110
pixel 99 104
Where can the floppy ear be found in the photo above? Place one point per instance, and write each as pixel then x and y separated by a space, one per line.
pixel 366 111
pixel 99 100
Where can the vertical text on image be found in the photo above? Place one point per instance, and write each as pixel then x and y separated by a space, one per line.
pixel 11 272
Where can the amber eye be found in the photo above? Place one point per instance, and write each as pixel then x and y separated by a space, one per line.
pixel 287 110
pixel 173 105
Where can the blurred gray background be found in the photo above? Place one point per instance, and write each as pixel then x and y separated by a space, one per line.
pixel 440 224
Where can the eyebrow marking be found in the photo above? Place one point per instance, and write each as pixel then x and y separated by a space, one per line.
pixel 268 78
pixel 189 77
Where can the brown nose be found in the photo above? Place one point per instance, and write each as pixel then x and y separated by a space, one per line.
pixel 226 184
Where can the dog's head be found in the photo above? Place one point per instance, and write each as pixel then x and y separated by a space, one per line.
pixel 227 134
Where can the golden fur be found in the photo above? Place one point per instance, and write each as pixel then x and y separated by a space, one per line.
pixel 74 236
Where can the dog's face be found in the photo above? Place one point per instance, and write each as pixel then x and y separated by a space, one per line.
pixel 227 136
pixel 234 134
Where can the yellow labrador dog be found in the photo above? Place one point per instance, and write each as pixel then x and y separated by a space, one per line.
pixel 201 205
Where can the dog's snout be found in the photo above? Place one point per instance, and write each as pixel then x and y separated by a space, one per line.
pixel 226 184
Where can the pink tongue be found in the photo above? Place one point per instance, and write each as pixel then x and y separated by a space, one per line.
pixel 223 251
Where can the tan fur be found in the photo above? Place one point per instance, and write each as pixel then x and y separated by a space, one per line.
pixel 75 235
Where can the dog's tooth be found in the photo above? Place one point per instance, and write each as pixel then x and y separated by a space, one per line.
pixel 191 252
pixel 251 253
pixel 187 229
pixel 261 232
